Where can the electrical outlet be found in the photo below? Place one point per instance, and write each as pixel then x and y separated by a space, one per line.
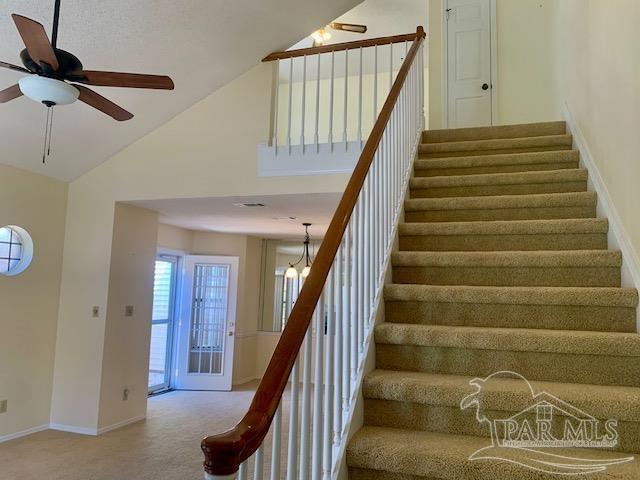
pixel 3 406
pixel 95 312
pixel 125 394
pixel 128 311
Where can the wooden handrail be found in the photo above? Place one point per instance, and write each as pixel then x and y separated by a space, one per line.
pixel 225 452
pixel 338 47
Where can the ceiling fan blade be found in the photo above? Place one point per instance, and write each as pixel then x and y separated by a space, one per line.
pixel 11 66
pixel 36 41
pixel 97 101
pixel 349 27
pixel 118 79
pixel 10 93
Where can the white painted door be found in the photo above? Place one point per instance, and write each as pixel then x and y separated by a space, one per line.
pixel 207 323
pixel 469 86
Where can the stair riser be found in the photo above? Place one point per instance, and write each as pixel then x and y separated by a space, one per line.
pixel 554 317
pixel 365 474
pixel 510 276
pixel 445 419
pixel 535 167
pixel 476 243
pixel 470 153
pixel 552 367
pixel 488 133
pixel 486 190
pixel 545 213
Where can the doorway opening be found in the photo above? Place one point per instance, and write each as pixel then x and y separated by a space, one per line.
pixel 162 323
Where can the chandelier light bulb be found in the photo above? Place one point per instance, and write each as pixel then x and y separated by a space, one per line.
pixel 305 272
pixel 291 272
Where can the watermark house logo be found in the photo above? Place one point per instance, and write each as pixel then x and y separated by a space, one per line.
pixel 538 435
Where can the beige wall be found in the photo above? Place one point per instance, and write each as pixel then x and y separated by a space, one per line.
pixel 125 359
pixel 525 62
pixel 30 300
pixel 208 150
pixel 598 76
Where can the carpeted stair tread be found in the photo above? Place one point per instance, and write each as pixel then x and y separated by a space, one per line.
pixel 497 163
pixel 543 200
pixel 412 455
pixel 549 176
pixel 500 145
pixel 507 227
pixel 500 393
pixel 585 296
pixel 510 339
pixel 532 259
pixel 501 131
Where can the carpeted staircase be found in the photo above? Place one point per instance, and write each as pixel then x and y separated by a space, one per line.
pixel 502 265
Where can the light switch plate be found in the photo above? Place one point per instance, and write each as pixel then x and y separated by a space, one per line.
pixel 128 311
pixel 95 312
pixel 3 406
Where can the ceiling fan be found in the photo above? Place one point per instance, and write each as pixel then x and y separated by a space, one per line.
pixel 51 70
pixel 321 35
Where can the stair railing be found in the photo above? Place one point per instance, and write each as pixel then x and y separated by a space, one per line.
pixel 321 352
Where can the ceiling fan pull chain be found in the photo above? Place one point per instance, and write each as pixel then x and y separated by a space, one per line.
pixel 50 130
pixel 46 135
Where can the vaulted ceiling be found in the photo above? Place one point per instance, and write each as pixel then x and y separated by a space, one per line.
pixel 201 44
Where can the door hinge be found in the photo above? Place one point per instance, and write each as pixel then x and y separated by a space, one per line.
pixel 447 12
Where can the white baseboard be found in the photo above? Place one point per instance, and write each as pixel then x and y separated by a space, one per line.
pixel 618 237
pixel 23 433
pixel 123 423
pixel 73 429
pixel 95 431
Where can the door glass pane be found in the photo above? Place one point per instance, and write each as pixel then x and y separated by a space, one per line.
pixel 160 326
pixel 208 319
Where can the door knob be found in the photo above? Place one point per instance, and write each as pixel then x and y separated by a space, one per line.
pixel 231 334
pixel 485 86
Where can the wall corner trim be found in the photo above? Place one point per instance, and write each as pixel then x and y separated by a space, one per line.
pixel 617 236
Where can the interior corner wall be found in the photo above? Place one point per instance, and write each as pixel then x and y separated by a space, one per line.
pixel 125 358
pixel 30 300
pixel 525 62
pixel 598 77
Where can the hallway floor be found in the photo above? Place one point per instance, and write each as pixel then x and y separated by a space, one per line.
pixel 165 446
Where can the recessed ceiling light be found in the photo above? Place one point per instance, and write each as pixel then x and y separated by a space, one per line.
pixel 248 205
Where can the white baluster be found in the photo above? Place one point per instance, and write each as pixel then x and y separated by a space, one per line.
pixel 346 95
pixel 315 136
pixel 337 349
pixel 361 278
pixel 276 108
pixel 375 84
pixel 327 460
pixel 316 448
pixel 242 471
pixel 331 102
pixel 353 316
pixel 290 104
pixel 276 443
pixel 258 462
pixel 360 101
pixel 304 99
pixel 305 426
pixel 346 323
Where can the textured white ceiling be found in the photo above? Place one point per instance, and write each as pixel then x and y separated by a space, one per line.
pixel 201 44
pixel 219 214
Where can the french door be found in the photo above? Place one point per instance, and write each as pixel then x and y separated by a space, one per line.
pixel 160 352
pixel 207 323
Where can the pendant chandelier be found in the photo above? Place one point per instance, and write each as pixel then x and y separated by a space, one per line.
pixel 292 272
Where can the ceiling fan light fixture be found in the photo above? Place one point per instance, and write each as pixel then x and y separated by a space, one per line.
pixel 48 90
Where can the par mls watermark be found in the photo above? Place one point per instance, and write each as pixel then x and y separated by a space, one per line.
pixel 546 422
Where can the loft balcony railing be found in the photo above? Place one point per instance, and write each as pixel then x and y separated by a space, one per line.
pixel 322 350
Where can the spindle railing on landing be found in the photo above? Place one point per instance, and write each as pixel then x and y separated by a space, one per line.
pixel 320 356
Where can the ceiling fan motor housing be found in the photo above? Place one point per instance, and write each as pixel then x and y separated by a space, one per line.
pixel 48 91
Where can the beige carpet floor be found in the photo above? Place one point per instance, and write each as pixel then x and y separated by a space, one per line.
pixel 165 446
